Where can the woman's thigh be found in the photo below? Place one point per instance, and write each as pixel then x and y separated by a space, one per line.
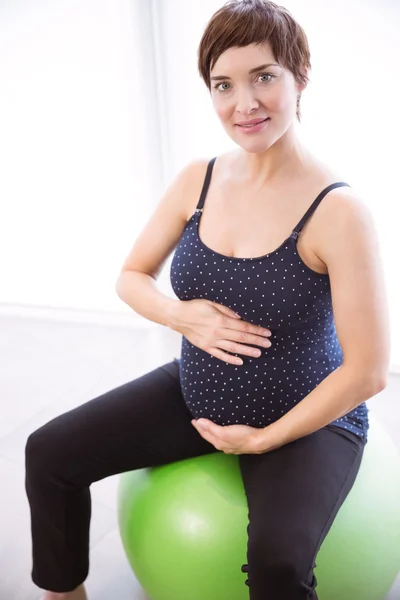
pixel 142 423
pixel 294 494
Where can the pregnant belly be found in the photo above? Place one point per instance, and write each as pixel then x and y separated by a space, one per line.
pixel 256 393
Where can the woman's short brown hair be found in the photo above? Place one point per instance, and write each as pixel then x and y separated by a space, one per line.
pixel 242 22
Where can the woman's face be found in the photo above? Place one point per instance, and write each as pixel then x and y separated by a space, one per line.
pixel 244 89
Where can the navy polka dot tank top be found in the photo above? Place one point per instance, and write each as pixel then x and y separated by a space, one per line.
pixel 279 292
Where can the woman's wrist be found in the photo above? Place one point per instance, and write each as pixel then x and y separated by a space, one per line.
pixel 172 308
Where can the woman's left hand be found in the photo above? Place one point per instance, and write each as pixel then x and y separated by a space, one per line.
pixel 231 439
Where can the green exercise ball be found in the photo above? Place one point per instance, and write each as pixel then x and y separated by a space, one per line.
pixel 184 528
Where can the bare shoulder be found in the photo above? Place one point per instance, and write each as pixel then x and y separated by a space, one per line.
pixel 192 178
pixel 164 228
pixel 343 206
pixel 340 205
pixel 343 213
pixel 343 218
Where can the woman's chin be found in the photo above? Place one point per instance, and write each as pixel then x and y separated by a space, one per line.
pixel 253 146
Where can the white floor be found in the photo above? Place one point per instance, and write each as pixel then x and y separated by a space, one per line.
pixel 47 368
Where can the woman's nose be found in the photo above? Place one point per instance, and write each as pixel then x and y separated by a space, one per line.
pixel 246 104
pixel 246 100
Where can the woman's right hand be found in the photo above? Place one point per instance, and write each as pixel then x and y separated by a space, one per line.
pixel 215 328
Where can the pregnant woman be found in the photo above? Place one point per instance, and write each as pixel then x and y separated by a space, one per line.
pixel 280 301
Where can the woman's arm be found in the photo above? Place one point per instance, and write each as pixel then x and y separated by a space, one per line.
pixel 136 284
pixel 348 244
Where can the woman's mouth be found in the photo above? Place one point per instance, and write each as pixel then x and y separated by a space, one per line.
pixel 254 128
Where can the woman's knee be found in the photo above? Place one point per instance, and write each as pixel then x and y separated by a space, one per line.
pixel 42 450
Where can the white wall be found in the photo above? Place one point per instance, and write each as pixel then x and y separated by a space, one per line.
pixel 80 168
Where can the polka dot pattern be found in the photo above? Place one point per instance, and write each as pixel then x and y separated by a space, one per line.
pixel 279 292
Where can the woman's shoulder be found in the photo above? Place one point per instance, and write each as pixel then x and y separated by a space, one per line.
pixel 327 176
pixel 341 209
pixel 193 175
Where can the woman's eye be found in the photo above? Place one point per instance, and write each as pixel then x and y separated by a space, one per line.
pixel 217 86
pixel 267 75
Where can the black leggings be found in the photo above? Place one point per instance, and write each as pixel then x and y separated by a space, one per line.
pixel 293 493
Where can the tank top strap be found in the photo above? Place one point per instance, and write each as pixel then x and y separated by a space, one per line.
pixel 296 231
pixel 206 184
